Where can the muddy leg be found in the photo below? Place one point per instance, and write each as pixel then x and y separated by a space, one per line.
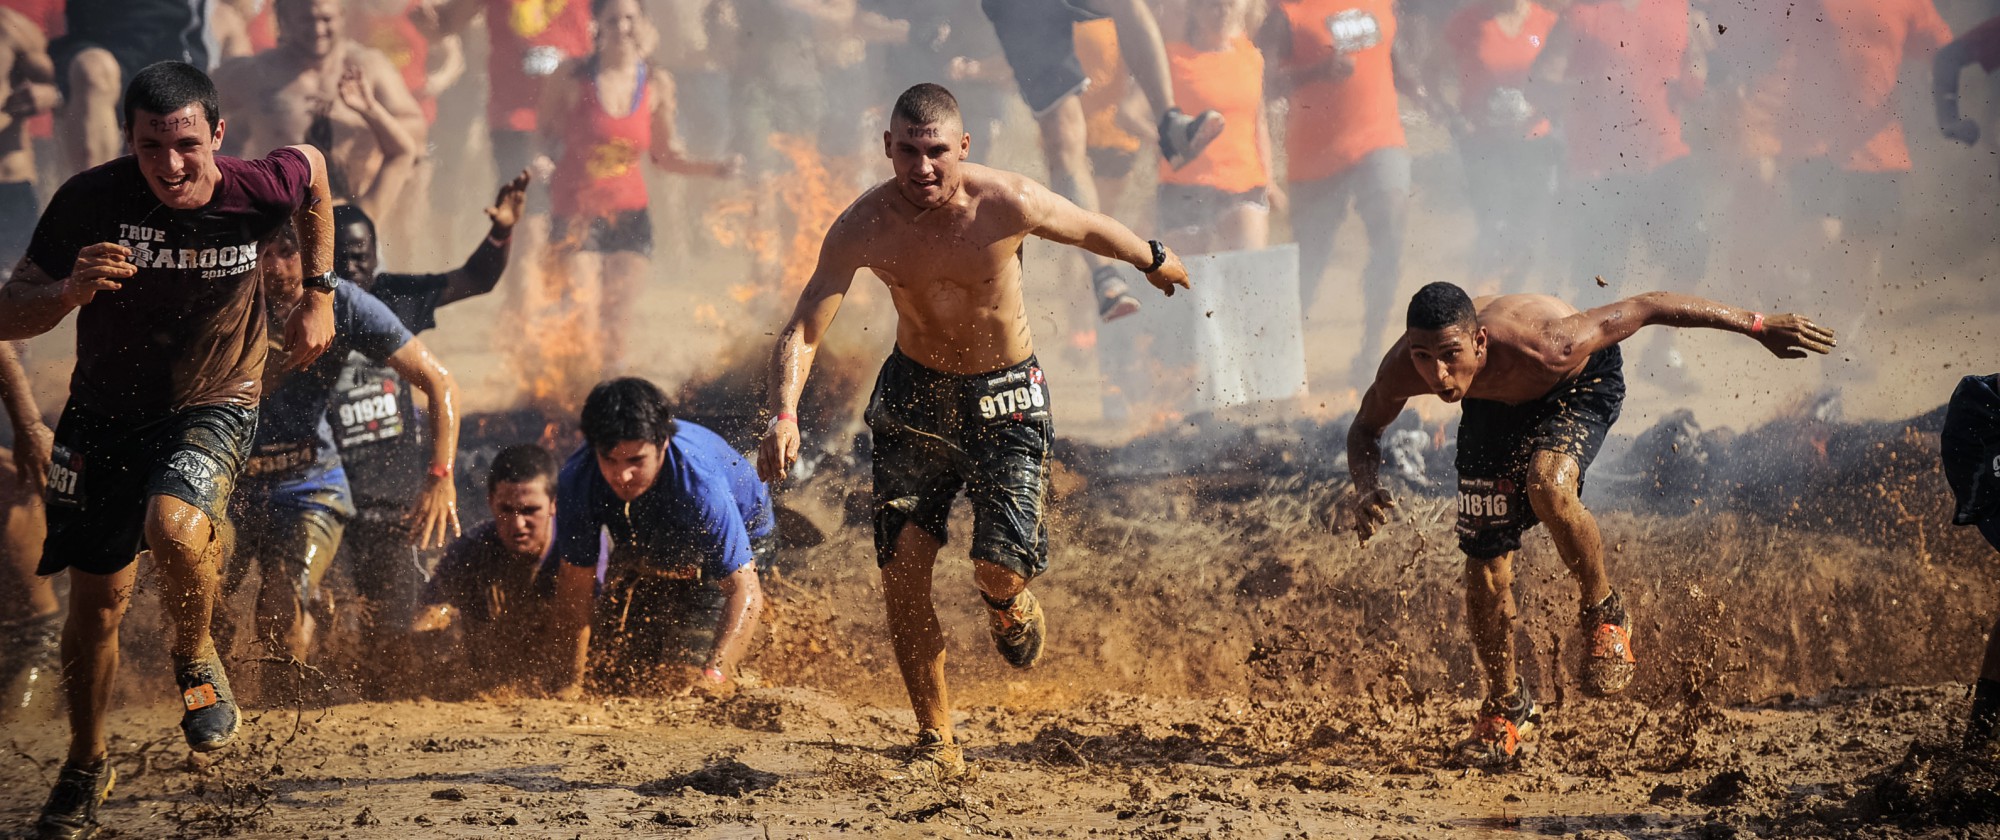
pixel 914 629
pixel 1489 614
pixel 1553 482
pixel 185 546
pixel 90 655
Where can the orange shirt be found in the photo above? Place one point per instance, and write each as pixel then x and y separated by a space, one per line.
pixel 1335 123
pixel 1840 75
pixel 1231 81
pixel 530 38
pixel 1108 83
pixel 1489 60
pixel 602 170
pixel 1624 66
pixel 263 29
pixel 397 38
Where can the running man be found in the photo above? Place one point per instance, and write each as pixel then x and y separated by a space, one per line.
pixel 158 251
pixel 962 401
pixel 1970 446
pixel 1542 383
pixel 293 501
pixel 1039 40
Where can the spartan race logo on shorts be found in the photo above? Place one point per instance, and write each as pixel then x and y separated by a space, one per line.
pixel 215 263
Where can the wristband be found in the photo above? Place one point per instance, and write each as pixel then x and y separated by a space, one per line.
pixel 440 471
pixel 784 416
pixel 1756 323
pixel 714 675
pixel 500 242
pixel 1159 256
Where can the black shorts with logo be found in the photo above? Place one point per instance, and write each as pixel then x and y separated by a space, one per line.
pixel 1497 440
pixel 105 470
pixel 1039 39
pixel 989 433
pixel 628 230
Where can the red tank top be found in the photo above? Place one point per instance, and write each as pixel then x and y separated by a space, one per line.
pixel 530 38
pixel 602 170
pixel 398 39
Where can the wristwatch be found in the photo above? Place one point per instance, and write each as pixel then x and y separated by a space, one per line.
pixel 325 282
pixel 1159 256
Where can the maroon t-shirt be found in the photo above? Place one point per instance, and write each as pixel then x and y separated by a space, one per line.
pixel 188 329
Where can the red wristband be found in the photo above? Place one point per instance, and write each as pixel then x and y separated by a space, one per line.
pixel 440 471
pixel 786 415
pixel 1756 323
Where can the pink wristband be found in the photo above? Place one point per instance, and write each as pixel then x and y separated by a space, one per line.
pixel 714 675
pixel 1756 323
pixel 786 415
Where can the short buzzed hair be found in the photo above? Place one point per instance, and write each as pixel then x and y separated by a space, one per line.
pixel 522 463
pixel 1439 305
pixel 168 86
pixel 926 104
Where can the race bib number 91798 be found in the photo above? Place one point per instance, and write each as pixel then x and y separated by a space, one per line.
pixel 1014 395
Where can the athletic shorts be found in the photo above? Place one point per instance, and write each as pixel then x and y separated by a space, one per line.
pixel 1496 441
pixel 1039 41
pixel 1184 206
pixel 291 538
pixel 512 152
pixel 104 471
pixel 1866 203
pixel 630 231
pixel 19 212
pixel 988 433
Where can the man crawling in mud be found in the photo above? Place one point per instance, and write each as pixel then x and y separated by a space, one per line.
pixel 962 401
pixel 1542 383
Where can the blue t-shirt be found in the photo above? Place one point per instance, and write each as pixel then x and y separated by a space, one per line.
pixel 293 438
pixel 375 421
pixel 699 516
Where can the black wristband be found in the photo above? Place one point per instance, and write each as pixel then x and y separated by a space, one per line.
pixel 1159 256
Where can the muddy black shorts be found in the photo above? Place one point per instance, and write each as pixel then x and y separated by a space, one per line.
pixel 289 529
pixel 1497 440
pixel 629 230
pixel 104 472
pixel 1039 40
pixel 989 433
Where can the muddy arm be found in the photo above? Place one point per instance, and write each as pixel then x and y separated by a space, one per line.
pixel 739 618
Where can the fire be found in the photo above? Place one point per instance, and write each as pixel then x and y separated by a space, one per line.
pixel 551 335
pixel 784 248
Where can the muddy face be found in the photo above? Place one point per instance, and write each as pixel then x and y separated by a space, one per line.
pixel 524 515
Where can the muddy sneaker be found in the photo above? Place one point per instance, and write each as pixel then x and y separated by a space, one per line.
pixel 1498 731
pixel 1182 138
pixel 1608 665
pixel 210 719
pixel 1114 295
pixel 935 759
pixel 1017 630
pixel 71 812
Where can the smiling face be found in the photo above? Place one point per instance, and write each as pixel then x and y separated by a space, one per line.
pixel 354 254
pixel 176 153
pixel 1448 359
pixel 927 159
pixel 310 27
pixel 630 467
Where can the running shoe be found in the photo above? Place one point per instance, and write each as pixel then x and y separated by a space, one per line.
pixel 71 812
pixel 1182 138
pixel 1503 723
pixel 1114 295
pixel 1608 666
pixel 934 758
pixel 211 719
pixel 1017 630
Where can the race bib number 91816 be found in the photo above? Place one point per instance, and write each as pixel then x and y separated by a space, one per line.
pixel 1488 503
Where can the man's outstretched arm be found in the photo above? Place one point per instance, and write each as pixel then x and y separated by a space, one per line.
pixel 1380 405
pixel 1054 218
pixel 482 271
pixel 1787 336
pixel 798 345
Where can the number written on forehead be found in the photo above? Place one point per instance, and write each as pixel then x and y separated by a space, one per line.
pixel 173 122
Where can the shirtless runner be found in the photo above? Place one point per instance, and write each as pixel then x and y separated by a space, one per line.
pixel 962 401
pixel 1542 383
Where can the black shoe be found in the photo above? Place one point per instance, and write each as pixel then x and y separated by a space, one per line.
pixel 71 813
pixel 1114 295
pixel 1182 138
pixel 1017 630
pixel 211 718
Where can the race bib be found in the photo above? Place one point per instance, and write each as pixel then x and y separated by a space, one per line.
pixel 1013 396
pixel 369 412
pixel 541 61
pixel 65 478
pixel 1486 504
pixel 1354 30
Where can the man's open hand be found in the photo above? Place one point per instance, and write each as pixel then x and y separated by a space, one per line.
pixel 511 202
pixel 1371 512
pixel 779 450
pixel 1789 336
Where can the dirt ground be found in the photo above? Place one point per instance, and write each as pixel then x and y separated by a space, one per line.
pixel 1215 667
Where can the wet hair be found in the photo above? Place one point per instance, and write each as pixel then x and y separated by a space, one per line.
pixel 926 104
pixel 524 462
pixel 168 86
pixel 626 409
pixel 1439 305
